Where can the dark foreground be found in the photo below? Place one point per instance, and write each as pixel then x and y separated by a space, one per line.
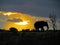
pixel 30 38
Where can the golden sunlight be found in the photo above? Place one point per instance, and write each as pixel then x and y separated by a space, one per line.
pixel 9 13
pixel 20 20
pixel 22 23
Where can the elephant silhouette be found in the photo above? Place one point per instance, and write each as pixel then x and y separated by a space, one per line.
pixel 41 24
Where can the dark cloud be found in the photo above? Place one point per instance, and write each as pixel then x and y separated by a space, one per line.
pixel 33 7
pixel 14 20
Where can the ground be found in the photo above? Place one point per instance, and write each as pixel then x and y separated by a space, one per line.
pixel 29 37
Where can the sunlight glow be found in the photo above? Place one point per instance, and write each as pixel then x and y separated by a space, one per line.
pixel 22 23
pixel 19 20
pixel 7 13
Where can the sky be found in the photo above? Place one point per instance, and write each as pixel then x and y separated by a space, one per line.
pixel 33 7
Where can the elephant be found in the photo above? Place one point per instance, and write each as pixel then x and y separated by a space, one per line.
pixel 41 24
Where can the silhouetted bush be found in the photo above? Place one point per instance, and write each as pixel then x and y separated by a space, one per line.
pixel 14 30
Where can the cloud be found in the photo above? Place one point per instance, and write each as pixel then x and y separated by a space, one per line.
pixel 14 20
pixel 3 16
pixel 33 7
pixel 27 16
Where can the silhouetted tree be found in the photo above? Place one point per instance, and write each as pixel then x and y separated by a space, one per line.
pixel 53 20
pixel 41 24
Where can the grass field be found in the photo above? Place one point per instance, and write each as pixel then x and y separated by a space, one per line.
pixel 29 37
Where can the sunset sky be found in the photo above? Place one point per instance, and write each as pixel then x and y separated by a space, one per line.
pixel 33 7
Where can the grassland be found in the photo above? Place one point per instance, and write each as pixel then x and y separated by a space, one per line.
pixel 50 37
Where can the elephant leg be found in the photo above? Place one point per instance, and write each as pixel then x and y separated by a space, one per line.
pixel 42 29
pixel 37 29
